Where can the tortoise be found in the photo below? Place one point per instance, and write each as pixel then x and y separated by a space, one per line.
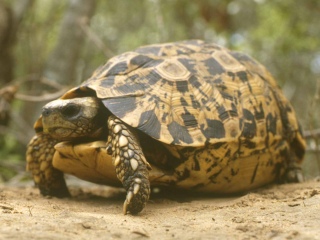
pixel 186 115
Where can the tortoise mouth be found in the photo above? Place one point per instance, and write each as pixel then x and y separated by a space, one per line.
pixel 60 132
pixel 71 134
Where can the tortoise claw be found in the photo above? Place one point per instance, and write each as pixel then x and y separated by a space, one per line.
pixel 294 175
pixel 137 196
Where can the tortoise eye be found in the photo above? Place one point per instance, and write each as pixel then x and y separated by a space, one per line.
pixel 70 110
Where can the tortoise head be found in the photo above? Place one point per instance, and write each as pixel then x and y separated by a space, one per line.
pixel 68 119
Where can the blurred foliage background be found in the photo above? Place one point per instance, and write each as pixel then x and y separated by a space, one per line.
pixel 48 46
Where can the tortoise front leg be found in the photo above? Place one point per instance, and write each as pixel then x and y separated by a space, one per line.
pixel 39 157
pixel 131 166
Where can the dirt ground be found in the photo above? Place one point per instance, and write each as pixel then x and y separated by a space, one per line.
pixel 289 211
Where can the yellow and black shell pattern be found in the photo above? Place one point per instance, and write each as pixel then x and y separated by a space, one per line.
pixel 193 93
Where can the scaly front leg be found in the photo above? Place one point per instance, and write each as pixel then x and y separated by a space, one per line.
pixel 39 161
pixel 131 166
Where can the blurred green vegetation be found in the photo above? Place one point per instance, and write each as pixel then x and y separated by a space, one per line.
pixel 284 35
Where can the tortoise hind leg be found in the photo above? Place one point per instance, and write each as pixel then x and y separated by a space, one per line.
pixel 39 161
pixel 293 173
pixel 131 166
pixel 296 153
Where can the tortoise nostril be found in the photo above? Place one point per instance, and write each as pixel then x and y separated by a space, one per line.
pixel 70 110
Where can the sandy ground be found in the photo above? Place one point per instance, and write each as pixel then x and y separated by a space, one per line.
pixel 95 212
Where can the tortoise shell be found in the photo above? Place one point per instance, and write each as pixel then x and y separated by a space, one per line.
pixel 193 93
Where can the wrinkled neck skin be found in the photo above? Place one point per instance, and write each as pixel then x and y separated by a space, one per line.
pixel 76 118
